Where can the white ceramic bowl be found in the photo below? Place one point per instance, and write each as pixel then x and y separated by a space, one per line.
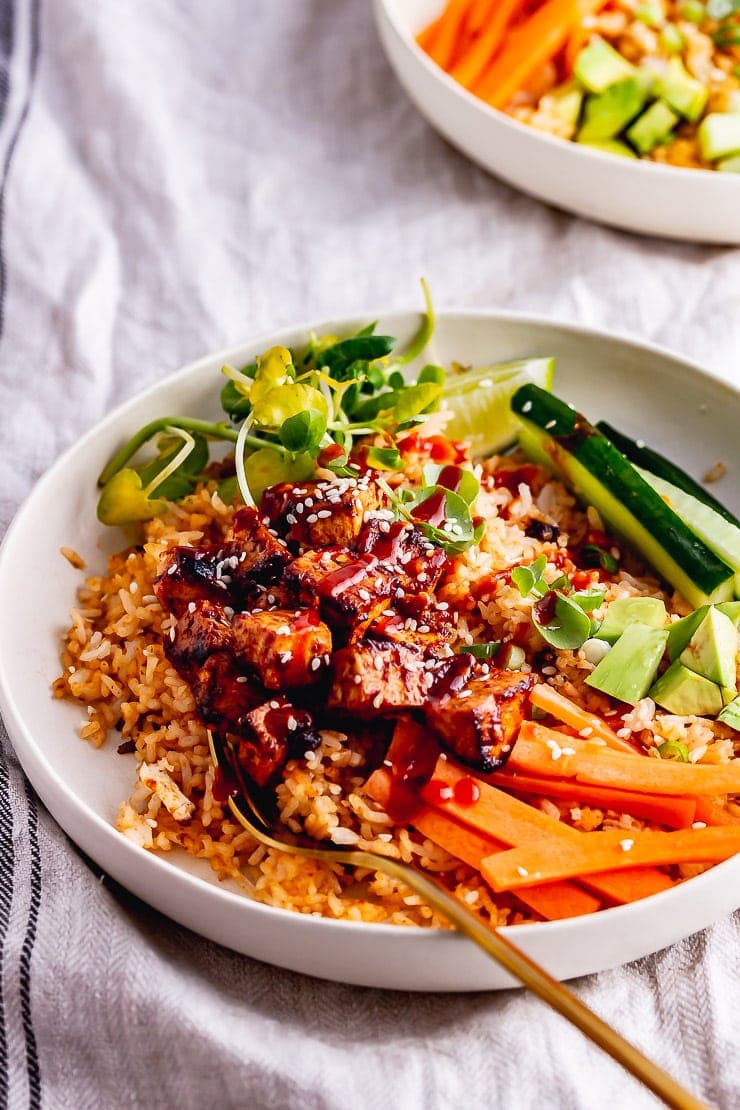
pixel 698 205
pixel 641 389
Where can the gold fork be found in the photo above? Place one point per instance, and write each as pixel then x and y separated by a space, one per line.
pixel 248 811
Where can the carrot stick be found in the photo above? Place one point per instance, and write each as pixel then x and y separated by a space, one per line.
pixel 514 822
pixel 563 709
pixel 541 751
pixel 472 64
pixel 677 812
pixel 580 34
pixel 553 901
pixel 714 811
pixel 480 13
pixel 536 42
pixel 426 37
pixel 612 850
pixel 449 26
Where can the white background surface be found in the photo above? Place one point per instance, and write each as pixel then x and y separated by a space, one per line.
pixel 189 174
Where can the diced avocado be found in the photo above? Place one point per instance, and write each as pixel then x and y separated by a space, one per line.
pixel 680 632
pixel 683 691
pixel 719 135
pixel 682 92
pixel 565 102
pixel 631 610
pixel 720 535
pixel 712 649
pixel 730 715
pixel 727 695
pixel 731 609
pixel 629 669
pixel 610 146
pixel 729 165
pixel 653 127
pixel 605 115
pixel 599 65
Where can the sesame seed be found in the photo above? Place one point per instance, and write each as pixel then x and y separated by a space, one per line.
pixel 291 519
pixel 191 607
pixel 242 678
pixel 377 701
pixel 522 871
pixel 626 845
pixel 527 406
pixel 311 518
pixel 292 724
pixel 315 663
pixel 699 825
pixel 357 679
pixel 285 656
pixel 134 587
pixel 323 514
pixel 274 705
pixel 283 630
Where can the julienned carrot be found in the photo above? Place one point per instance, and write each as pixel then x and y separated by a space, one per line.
pixel 563 709
pixel 553 901
pixel 714 811
pixel 473 62
pixel 514 822
pixel 426 37
pixel 603 851
pixel 676 812
pixel 581 33
pixel 541 751
pixel 533 44
pixel 449 28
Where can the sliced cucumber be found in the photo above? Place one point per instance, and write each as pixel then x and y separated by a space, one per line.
pixel 554 433
pixel 479 400
pixel 720 536
pixel 651 461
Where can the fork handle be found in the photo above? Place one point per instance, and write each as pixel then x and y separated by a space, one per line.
pixel 536 979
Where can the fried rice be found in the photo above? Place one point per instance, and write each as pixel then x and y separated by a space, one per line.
pixel 114 665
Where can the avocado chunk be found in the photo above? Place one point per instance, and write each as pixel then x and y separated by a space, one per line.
pixel 719 135
pixel 631 610
pixel 610 146
pixel 565 102
pixel 729 165
pixel 682 92
pixel 628 671
pixel 653 127
pixel 599 65
pixel 605 115
pixel 712 649
pixel 680 632
pixel 731 609
pixel 683 691
pixel 730 715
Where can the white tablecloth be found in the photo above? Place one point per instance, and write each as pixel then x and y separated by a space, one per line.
pixel 177 176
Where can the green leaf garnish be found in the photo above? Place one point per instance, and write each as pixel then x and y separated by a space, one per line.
pixel 304 431
pixel 602 558
pixel 588 600
pixel 569 627
pixel 529 579
pixel 384 458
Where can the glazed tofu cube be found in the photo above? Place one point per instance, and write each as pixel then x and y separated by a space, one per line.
pixel 351 590
pixel 201 630
pixel 416 561
pixel 478 715
pixel 232 573
pixel 373 678
pixel 286 648
pixel 321 514
pixel 272 733
pixel 428 630
pixel 223 693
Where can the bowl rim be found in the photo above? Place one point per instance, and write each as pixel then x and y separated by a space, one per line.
pixel 33 751
pixel 388 9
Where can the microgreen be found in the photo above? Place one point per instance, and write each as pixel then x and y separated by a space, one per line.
pixel 559 614
pixel 598 556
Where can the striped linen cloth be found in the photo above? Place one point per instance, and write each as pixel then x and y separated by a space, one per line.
pixel 176 176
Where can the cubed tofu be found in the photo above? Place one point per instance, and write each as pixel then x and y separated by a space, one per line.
pixel 234 573
pixel 270 734
pixel 201 630
pixel 373 678
pixel 286 648
pixel 429 630
pixel 223 692
pixel 400 545
pixel 351 590
pixel 477 715
pixel 320 514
